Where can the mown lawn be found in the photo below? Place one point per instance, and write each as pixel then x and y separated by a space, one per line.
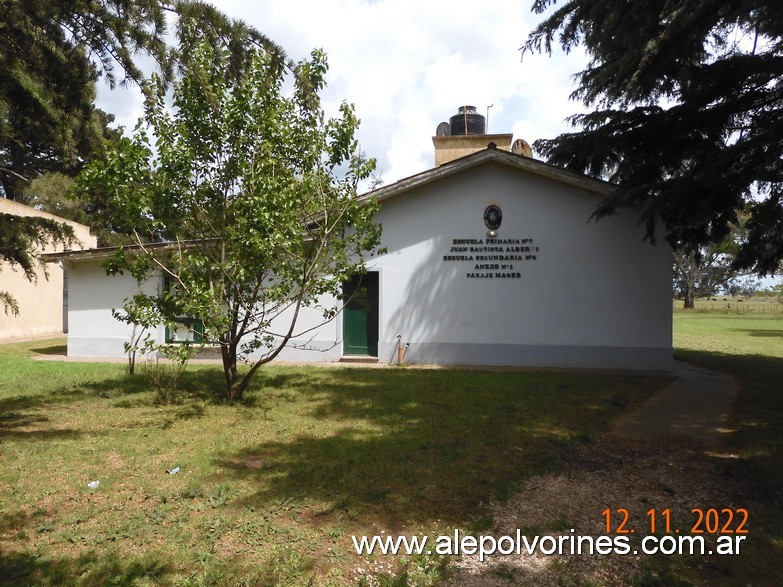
pixel 749 347
pixel 269 491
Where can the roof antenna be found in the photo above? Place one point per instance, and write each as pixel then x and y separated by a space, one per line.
pixel 488 107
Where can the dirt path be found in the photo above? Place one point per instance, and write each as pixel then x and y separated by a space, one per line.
pixel 665 455
pixel 694 408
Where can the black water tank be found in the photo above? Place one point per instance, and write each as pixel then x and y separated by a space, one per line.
pixel 467 118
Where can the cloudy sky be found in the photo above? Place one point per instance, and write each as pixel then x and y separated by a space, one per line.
pixel 409 64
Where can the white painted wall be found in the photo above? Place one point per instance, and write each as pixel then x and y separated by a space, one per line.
pixel 93 331
pixel 313 339
pixel 40 301
pixel 596 296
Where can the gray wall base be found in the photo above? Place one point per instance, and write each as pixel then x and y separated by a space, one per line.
pixel 564 357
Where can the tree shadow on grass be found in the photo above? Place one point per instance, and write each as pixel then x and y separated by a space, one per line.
pixel 197 382
pixel 21 418
pixel 208 384
pixel 204 383
pixel 19 520
pixel 419 446
pixel 201 383
pixel 46 434
pixel 24 416
pixel 27 568
pixel 54 349
pixel 755 448
pixel 757 414
pixel 115 387
pixel 197 387
pixel 760 333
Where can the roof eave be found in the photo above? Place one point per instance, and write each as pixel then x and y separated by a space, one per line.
pixel 108 252
pixel 528 164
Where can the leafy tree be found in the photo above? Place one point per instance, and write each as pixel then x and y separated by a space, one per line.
pixel 52 53
pixel 712 269
pixel 746 287
pixel 250 193
pixel 48 192
pixel 53 193
pixel 688 114
pixel 702 274
pixel 20 238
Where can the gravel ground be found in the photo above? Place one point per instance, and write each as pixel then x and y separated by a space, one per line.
pixel 611 473
pixel 665 455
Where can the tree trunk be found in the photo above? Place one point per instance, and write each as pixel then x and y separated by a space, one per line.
pixel 689 297
pixel 242 385
pixel 690 282
pixel 235 385
pixel 228 351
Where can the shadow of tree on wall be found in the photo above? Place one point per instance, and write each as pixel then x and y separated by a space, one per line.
pixel 421 447
pixel 430 308
pixel 433 304
pixel 441 305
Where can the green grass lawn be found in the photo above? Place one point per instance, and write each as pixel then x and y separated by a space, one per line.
pixel 270 490
pixel 749 347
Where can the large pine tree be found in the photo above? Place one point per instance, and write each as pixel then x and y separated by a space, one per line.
pixel 687 120
pixel 53 52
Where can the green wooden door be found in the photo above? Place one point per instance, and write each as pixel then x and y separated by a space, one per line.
pixel 360 315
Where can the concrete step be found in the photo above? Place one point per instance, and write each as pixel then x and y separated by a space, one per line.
pixel 358 359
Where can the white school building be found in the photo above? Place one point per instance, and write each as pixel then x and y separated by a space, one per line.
pixel 492 259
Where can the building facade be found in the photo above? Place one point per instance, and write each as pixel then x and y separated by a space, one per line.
pixel 492 259
pixel 43 301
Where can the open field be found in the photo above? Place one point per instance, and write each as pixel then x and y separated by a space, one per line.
pixel 268 491
pixel 735 305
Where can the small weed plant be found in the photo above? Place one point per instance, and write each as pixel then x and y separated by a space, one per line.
pixel 165 372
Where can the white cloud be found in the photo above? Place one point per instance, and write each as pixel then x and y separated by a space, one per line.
pixel 409 64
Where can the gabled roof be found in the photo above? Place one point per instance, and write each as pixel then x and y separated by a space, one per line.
pixel 492 154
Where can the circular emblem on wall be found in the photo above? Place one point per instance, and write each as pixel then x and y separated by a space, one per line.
pixel 493 217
